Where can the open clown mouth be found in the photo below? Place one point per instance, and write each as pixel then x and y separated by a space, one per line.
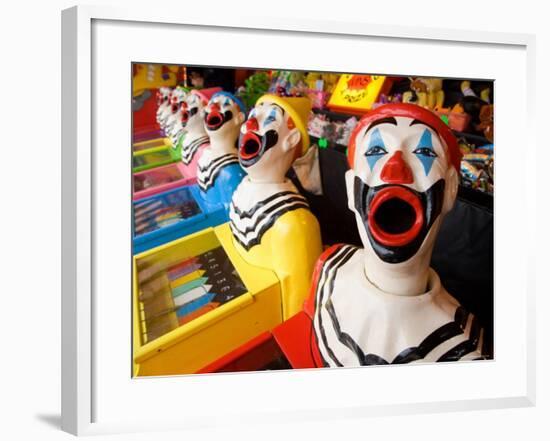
pixel 397 218
pixel 187 114
pixel 215 119
pixel 250 146
pixel 184 117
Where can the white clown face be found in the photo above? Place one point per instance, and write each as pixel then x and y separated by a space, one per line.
pixel 176 98
pixel 172 123
pixel 163 96
pixel 223 117
pixel 400 186
pixel 268 141
pixel 192 110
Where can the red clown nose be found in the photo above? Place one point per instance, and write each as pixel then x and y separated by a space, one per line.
pixel 252 124
pixel 396 170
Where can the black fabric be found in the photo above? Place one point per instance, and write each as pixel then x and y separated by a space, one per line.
pixel 336 219
pixel 463 258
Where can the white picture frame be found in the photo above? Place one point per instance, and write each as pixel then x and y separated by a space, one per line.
pixel 83 386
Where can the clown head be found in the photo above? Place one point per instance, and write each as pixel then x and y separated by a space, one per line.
pixel 163 104
pixel 403 179
pixel 163 95
pixel 176 100
pixel 223 117
pixel 274 135
pixel 192 109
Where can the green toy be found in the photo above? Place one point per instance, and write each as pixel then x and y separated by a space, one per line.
pixel 255 86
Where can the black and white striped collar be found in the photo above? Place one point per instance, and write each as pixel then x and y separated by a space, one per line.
pixel 255 208
pixel 358 324
pixel 189 148
pixel 209 166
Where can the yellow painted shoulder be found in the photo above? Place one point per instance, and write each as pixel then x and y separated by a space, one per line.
pixel 291 248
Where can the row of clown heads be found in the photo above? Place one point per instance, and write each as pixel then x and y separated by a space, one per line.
pixel 378 304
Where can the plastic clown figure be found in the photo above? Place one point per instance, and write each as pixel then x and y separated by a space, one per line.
pixel 163 104
pixel 218 169
pixel 192 138
pixel 383 303
pixel 173 126
pixel 270 220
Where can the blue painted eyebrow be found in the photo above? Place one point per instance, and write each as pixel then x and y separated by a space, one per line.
pixel 426 140
pixel 376 139
pixel 271 117
pixel 226 102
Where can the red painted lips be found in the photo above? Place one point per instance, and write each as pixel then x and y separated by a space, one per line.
pixel 214 119
pixel 184 116
pixel 250 146
pixel 395 216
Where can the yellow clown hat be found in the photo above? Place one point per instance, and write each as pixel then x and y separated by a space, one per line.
pixel 298 108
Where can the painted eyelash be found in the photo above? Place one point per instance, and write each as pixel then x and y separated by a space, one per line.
pixel 376 150
pixel 425 145
pixel 271 117
pixel 269 120
pixel 425 151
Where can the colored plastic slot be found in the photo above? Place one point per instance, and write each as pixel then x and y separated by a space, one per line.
pixel 194 305
pixel 153 157
pixel 174 271
pixel 162 224
pixel 185 345
pixel 184 272
pixel 191 286
pixel 145 133
pixel 160 179
pixel 152 143
pixel 186 278
pixel 199 312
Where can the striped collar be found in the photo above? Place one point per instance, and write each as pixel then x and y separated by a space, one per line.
pixel 210 165
pixel 256 207
pixel 358 324
pixel 191 146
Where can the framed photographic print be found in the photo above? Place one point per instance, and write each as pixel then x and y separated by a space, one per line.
pixel 267 231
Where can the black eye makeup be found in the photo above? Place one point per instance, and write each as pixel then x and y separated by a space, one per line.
pixel 376 150
pixel 425 151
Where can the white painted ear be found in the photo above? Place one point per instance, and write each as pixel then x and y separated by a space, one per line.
pixel 292 139
pixel 349 176
pixel 451 189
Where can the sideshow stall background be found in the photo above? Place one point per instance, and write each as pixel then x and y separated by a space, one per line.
pixel 463 255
